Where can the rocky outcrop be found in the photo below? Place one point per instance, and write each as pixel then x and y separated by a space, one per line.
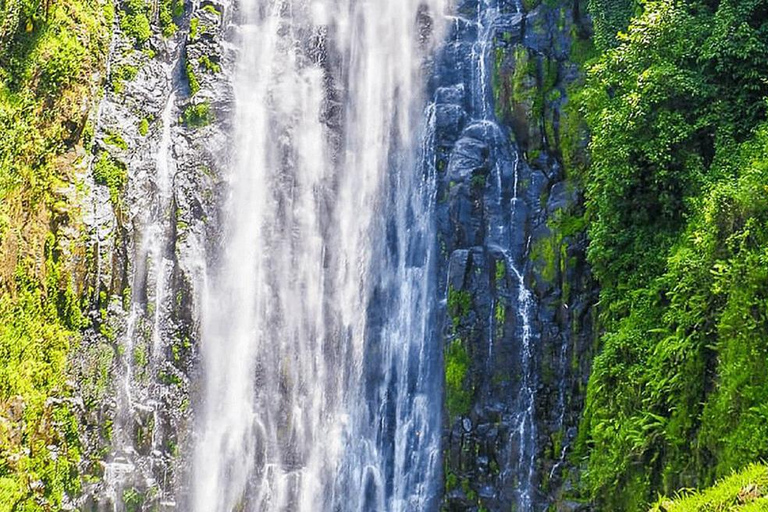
pixel 518 295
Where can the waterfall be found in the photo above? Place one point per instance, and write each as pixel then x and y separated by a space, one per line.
pixel 321 384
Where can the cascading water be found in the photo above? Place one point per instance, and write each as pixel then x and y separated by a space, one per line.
pixel 320 388
pixel 507 162
pixel 141 345
pixel 477 28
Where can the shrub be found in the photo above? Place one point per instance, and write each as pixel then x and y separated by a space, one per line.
pixel 198 115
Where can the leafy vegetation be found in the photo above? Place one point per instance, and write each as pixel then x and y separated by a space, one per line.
pixel 745 491
pixel 112 173
pixel 677 207
pixel 48 54
pixel 198 115
pixel 170 11
pixel 209 64
pixel 134 21
pixel 194 83
pixel 120 75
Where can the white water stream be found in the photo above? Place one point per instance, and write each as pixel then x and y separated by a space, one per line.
pixel 320 391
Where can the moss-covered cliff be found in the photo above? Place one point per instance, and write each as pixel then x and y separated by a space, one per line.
pixel 52 57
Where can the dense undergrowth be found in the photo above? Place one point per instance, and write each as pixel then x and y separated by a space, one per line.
pixel 49 52
pixel 677 203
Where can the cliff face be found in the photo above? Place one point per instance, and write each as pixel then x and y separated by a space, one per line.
pixel 518 296
pixel 160 136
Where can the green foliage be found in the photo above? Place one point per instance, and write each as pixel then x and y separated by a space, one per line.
pixel 458 398
pixel 62 56
pixel 209 64
pixel 746 491
pixel 170 10
pixel 194 28
pixel 134 21
pixel 529 5
pixel 194 83
pixel 48 54
pixel 677 207
pixel 111 173
pixel 211 9
pixel 116 140
pixel 121 74
pixel 501 271
pixel 198 115
pixel 133 500
pixel 610 17
pixel 144 127
pixel 459 304
pixel 35 338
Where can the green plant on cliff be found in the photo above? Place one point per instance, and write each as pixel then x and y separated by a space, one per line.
pixel 134 21
pixel 458 397
pixel 48 54
pixel 111 173
pixel 169 12
pixel 194 83
pixel 677 207
pixel 198 115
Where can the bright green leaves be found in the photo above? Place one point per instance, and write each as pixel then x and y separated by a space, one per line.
pixel 678 224
pixel 134 21
pixel 746 491
pixel 198 115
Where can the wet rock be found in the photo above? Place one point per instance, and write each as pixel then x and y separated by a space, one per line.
pixel 449 121
pixel 457 269
pixel 502 192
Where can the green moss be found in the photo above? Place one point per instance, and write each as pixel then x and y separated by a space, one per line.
pixel 529 5
pixel 134 21
pixel 501 270
pixel 144 127
pixel 458 397
pixel 544 254
pixel 41 110
pixel 169 379
pixel 451 481
pixel 500 313
pixel 116 140
pixel 459 304
pixel 194 28
pixel 211 9
pixel 34 344
pixel 478 181
pixel 170 11
pixel 133 500
pixel 120 75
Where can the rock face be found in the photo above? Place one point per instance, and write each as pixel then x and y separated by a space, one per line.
pixel 154 181
pixel 518 296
